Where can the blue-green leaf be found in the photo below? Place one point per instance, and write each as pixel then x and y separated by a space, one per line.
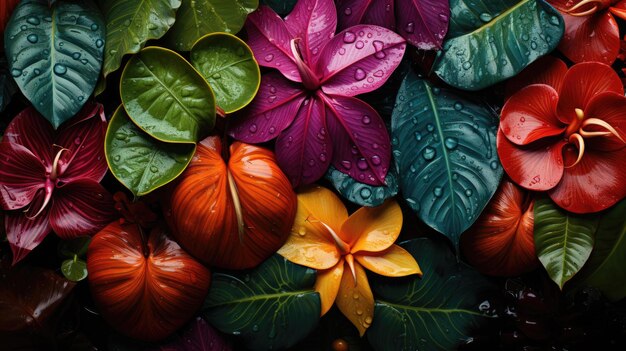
pixel 361 193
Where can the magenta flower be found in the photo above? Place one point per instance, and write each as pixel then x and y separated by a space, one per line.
pixel 309 105
pixel 49 180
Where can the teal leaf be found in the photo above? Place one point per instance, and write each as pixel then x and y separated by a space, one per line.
pixel 361 193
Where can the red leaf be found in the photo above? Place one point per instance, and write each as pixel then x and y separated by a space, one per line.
pixel 34 132
pixel 25 234
pixel 424 23
pixel 315 22
pixel 21 175
pixel 377 12
pixel 547 70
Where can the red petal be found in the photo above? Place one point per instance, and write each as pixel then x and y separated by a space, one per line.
pixel 538 166
pixel 25 234
pixel 377 12
pixel 21 175
pixel 34 132
pixel 315 22
pixel 619 9
pixel 547 70
pixel 590 38
pixel 582 82
pixel 530 115
pixel 80 208
pixel 597 182
pixel 611 108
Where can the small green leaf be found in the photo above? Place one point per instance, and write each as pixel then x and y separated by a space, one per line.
pixel 490 41
pixel 563 240
pixel 436 312
pixel 195 18
pixel 140 162
pixel 74 269
pixel 271 307
pixel 228 64
pixel 361 193
pixel 166 97
pixel 55 54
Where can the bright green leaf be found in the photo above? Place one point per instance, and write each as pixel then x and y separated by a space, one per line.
pixel 74 269
pixel 361 193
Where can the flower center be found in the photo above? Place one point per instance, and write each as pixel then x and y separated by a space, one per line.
pixel 588 7
pixel 309 79
pixel 49 186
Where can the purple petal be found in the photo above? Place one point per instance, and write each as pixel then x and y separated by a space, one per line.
pixel 21 175
pixel 377 12
pixel 25 234
pixel 34 132
pixel 424 23
pixel 198 336
pixel 360 139
pixel 272 110
pixel 359 60
pixel 315 22
pixel 269 38
pixel 80 208
pixel 303 150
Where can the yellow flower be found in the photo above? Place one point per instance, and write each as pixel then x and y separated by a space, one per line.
pixel 324 238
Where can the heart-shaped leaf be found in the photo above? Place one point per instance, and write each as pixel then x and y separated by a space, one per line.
pixel 56 54
pixel 563 240
pixel 228 64
pixel 166 97
pixel 74 269
pixel 491 41
pixel 270 307
pixel 140 162
pixel 195 18
pixel 435 312
pixel 445 150
pixel 361 193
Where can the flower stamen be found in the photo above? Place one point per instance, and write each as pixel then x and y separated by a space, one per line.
pixel 599 123
pixel 344 248
pixel 581 147
pixel 350 262
pixel 581 9
pixel 309 79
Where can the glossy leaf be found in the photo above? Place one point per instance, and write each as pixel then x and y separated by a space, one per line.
pixel 444 147
pixel 361 193
pixel 271 307
pixel 139 161
pixel 281 7
pixel 198 336
pixel 166 97
pixel 57 53
pixel 490 42
pixel 195 18
pixel 563 240
pixel 228 64
pixel 74 269
pixel 436 312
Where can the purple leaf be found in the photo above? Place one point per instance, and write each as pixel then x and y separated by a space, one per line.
pixel 359 60
pixel 424 23
pixel 269 38
pixel 198 336
pixel 32 131
pixel 360 139
pixel 272 110
pixel 315 22
pixel 377 12
pixel 21 175
pixel 303 150
pixel 25 234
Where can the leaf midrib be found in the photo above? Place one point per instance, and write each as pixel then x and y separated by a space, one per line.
pixel 498 18
pixel 432 310
pixel 262 297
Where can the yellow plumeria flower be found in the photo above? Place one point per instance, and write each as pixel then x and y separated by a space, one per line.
pixel 340 248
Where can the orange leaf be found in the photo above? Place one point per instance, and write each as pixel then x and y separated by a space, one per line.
pixel 356 301
pixel 373 229
pixel 393 262
pixel 327 284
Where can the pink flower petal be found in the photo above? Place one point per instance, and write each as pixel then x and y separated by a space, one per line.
pixel 34 132
pixel 315 22
pixel 424 23
pixel 376 12
pixel 25 234
pixel 21 175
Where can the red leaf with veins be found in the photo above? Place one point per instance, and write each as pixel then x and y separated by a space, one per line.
pixel 377 12
pixel 314 22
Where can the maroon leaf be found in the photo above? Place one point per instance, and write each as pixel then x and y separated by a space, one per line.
pixel 32 131
pixel 23 233
pixel 424 23
pixel 314 21
pixel 377 12
pixel 21 175
pixel 198 336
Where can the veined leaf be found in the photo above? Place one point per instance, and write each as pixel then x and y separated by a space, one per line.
pixel 74 269
pixel 361 193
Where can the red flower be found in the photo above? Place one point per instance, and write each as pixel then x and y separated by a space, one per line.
pixel 591 33
pixel 567 136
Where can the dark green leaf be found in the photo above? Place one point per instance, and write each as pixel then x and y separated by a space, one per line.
pixel 436 312
pixel 140 162
pixel 281 7
pixel 490 41
pixel 77 246
pixel 445 151
pixel 270 307
pixel 74 269
pixel 55 54
pixel 361 193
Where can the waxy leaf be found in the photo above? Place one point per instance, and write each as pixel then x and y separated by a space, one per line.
pixel 436 312
pixel 270 307
pixel 361 193
pixel 139 161
pixel 198 336
pixel 74 269
pixel 228 64
pixel 445 151
pixel 491 41
pixel 166 97
pixel 55 54
pixel 195 18
pixel 563 240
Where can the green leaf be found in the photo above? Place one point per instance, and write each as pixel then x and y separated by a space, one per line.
pixel 140 162
pixel 281 7
pixel 490 41
pixel 228 64
pixel 605 267
pixel 166 97
pixel 74 247
pixel 271 307
pixel 361 193
pixel 563 240
pixel 445 151
pixel 436 312
pixel 55 54
pixel 130 24
pixel 74 269
pixel 199 17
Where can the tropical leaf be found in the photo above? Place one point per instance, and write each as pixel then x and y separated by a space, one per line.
pixel 195 18
pixel 166 97
pixel 74 269
pixel 55 54
pixel 435 312
pixel 140 162
pixel 445 151
pixel 563 240
pixel 361 193
pixel 270 307
pixel 228 64
pixel 491 41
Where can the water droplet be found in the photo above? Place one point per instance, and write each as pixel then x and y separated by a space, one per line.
pixel 430 127
pixel 359 312
pixel 16 72
pixel 524 37
pixel 438 191
pixel 443 17
pixel 451 143
pixel 493 165
pixel 77 141
pixel 362 164
pixel 365 193
pixel 429 153
pixel 349 37
pixel 555 20
pixel 127 23
pixel 253 128
pixel 485 17
pixel 467 65
pixel 359 74
pixel 346 164
pixel 359 45
pixel 117 158
pixel 94 27
pixel 76 55
pixel 379 73
pixel 84 61
pixel 36 71
pixel 458 106
pixel 376 160
pixel 410 27
pixel 418 136
pixel 23 27
pixel 533 45
pixel 366 119
pixel 378 45
pixel 33 20
pixel 32 38
pixel 154 169
pixel 468 192
pixel 99 43
pixel 216 76
pixel 342 51
pixel 268 57
pixel 59 69
pixel 347 11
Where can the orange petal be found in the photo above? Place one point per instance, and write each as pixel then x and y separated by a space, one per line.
pixel 393 262
pixel 327 285
pixel 324 205
pixel 356 302
pixel 373 229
